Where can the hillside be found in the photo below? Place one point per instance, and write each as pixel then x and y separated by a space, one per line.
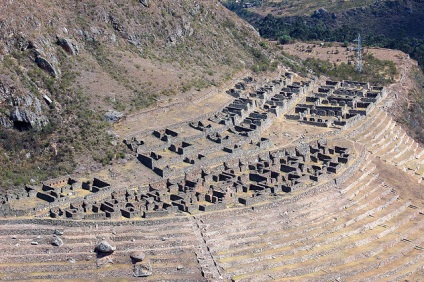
pixel 299 7
pixel 390 24
pixel 64 64
pixel 288 178
pixel 168 141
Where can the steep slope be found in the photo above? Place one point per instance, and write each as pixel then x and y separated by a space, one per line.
pixel 63 64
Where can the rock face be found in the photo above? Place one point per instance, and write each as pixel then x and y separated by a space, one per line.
pixel 6 90
pixel 113 116
pixel 105 247
pixel 24 118
pixel 20 109
pixel 5 122
pixel 138 256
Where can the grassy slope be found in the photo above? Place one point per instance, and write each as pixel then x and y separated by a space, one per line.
pixel 375 71
pixel 304 7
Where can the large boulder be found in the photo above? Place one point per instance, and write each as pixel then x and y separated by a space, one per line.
pixel 137 256
pixel 142 270
pixel 105 247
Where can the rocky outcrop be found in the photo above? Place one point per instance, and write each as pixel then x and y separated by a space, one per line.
pixel 19 109
pixel 113 116
pixel 23 118
pixel 69 46
pixel 117 26
pixel 46 66
pixel 5 122
pixel 7 90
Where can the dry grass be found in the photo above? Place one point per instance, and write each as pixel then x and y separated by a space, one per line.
pixel 305 7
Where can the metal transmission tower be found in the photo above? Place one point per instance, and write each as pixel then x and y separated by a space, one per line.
pixel 359 63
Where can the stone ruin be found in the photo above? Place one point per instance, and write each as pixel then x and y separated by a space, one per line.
pixel 232 132
pixel 241 181
pixel 338 103
pixel 253 210
pixel 217 161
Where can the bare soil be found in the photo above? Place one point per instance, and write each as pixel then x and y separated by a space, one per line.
pixel 405 184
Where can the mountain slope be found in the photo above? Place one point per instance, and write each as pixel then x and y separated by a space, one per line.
pixel 64 64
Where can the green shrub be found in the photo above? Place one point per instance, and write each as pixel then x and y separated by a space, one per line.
pixel 285 39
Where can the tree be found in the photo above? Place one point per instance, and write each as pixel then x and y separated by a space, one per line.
pixel 285 39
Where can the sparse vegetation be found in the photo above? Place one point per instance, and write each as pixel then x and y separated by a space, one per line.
pixel 375 71
pixel 75 129
pixel 407 36
pixel 196 84
pixel 141 100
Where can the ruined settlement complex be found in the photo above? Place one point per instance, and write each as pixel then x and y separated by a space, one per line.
pixel 290 180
